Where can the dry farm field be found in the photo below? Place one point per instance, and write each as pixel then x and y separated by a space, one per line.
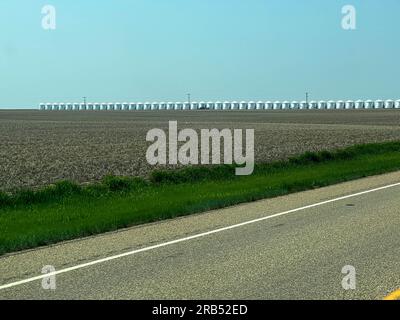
pixel 41 147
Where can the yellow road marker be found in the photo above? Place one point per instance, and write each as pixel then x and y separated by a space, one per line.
pixel 393 296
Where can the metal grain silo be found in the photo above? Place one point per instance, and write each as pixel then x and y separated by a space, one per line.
pixel 118 106
pixel 155 106
pixel 97 106
pixel 227 105
pixel 219 105
pixel 90 106
pixel 104 106
pixel 331 105
pixel 147 106
pixel 111 106
pixel 397 104
pixel 322 105
pixel 62 106
pixel 194 106
pixel 295 105
pixel 202 105
pixel 252 105
pixel 42 107
pixel 187 106
pixel 304 105
pixel 83 106
pixel 269 105
pixel 369 104
pixel 132 106
pixel 359 104
pixel 140 106
pixel 313 105
pixel 277 105
pixel 56 107
pixel 286 105
pixel 389 104
pixel 244 105
pixel 340 104
pixel 350 104
pixel 260 105
pixel 171 106
pixel 49 106
pixel 163 105
pixel 178 106
pixel 379 104
pixel 210 105
pixel 70 106
pixel 76 106
pixel 125 106
pixel 235 105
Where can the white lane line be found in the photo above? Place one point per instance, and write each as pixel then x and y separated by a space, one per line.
pixel 200 235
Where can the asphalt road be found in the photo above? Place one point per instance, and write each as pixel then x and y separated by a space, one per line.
pixel 297 255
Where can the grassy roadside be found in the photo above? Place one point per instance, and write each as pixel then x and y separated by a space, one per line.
pixel 32 218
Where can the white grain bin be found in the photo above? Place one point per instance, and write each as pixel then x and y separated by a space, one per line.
pixel 210 105
pixel 235 105
pixel 227 105
pixel 269 105
pixel 111 106
pixel 252 105
pixel 202 105
pixel 340 104
pixel 389 104
pixel 194 105
pixel 322 105
pixel 147 106
pixel 244 105
pixel 379 104
pixel 90 106
pixel 155 106
pixel 83 106
pixel 304 105
pixel 163 105
pixel 178 106
pixel 42 107
pixel 331 105
pixel 260 105
pixel 359 104
pixel 56 107
pixel 219 105
pixel 125 106
pixel 132 106
pixel 286 105
pixel 118 106
pixel 70 106
pixel 350 104
pixel 295 105
pixel 187 106
pixel 369 104
pixel 313 105
pixel 397 104
pixel 76 106
pixel 97 106
pixel 277 105
pixel 49 106
pixel 104 106
pixel 62 106
pixel 140 106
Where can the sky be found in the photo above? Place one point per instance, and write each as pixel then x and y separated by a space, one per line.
pixel 160 50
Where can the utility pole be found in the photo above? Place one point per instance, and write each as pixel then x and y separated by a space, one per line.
pixel 84 101
pixel 188 95
pixel 307 99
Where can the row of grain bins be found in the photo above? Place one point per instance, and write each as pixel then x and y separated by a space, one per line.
pixel 227 105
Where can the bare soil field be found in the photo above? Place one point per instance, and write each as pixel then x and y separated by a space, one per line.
pixel 42 147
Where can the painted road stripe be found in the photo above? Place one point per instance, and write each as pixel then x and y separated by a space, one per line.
pixel 196 236
pixel 393 296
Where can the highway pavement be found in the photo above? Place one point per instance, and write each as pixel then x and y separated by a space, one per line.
pixel 291 247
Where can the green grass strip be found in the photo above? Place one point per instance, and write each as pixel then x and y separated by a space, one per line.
pixel 66 210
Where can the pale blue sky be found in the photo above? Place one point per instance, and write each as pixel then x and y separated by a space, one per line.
pixel 159 50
